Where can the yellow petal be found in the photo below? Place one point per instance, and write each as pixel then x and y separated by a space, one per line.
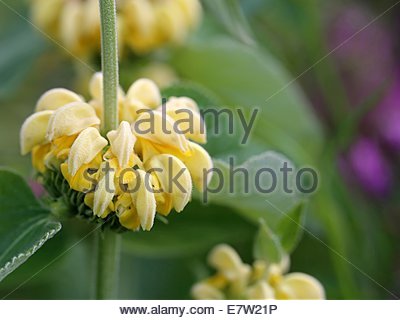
pixel 226 260
pixel 174 178
pixel 91 26
pixel 176 103
pixel 104 192
pixel 56 98
pixel 83 180
pixel 192 11
pixel 144 201
pixel 162 74
pixel 45 13
pixel 85 148
pixel 122 142
pixel 186 114
pixel 96 88
pixel 33 130
pixel 38 155
pixel 129 219
pixel 71 25
pixel 140 24
pixel 275 274
pixel 129 109
pixel 155 127
pixel 204 291
pixel 199 164
pixel 146 91
pixel 171 22
pixel 71 119
pixel 260 291
pixel 300 286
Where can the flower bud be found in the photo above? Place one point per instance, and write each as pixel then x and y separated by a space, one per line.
pixel 146 91
pixel 33 131
pixel 71 119
pixel 122 142
pixel 226 260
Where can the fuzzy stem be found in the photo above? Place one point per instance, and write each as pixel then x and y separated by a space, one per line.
pixel 109 63
pixel 108 245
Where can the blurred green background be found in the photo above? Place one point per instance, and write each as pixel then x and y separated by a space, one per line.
pixel 327 82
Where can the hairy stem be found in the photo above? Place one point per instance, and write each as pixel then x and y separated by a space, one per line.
pixel 108 245
pixel 109 63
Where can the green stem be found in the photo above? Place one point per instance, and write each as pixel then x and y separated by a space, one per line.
pixel 108 245
pixel 108 242
pixel 109 63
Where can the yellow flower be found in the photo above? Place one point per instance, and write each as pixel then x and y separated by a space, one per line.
pixel 139 207
pixel 237 280
pixel 85 156
pixel 71 119
pixel 143 25
pixel 56 98
pixel 144 166
pixel 34 130
pixel 171 193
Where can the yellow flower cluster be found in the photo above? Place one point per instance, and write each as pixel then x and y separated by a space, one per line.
pixel 129 173
pixel 237 280
pixel 143 25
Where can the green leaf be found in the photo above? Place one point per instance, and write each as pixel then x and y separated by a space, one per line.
pixel 250 77
pixel 19 51
pixel 197 229
pixel 230 15
pixel 267 246
pixel 24 224
pixel 290 228
pixel 253 194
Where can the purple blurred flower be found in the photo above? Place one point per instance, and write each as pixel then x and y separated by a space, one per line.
pixel 369 166
pixel 386 118
pixel 365 58
pixel 37 188
pixel 366 62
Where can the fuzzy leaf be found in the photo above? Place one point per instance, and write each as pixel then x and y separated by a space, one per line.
pixel 267 246
pixel 290 228
pixel 250 77
pixel 24 224
pixel 258 199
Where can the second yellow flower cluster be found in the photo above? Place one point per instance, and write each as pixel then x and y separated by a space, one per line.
pixel 147 164
pixel 237 280
pixel 143 25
